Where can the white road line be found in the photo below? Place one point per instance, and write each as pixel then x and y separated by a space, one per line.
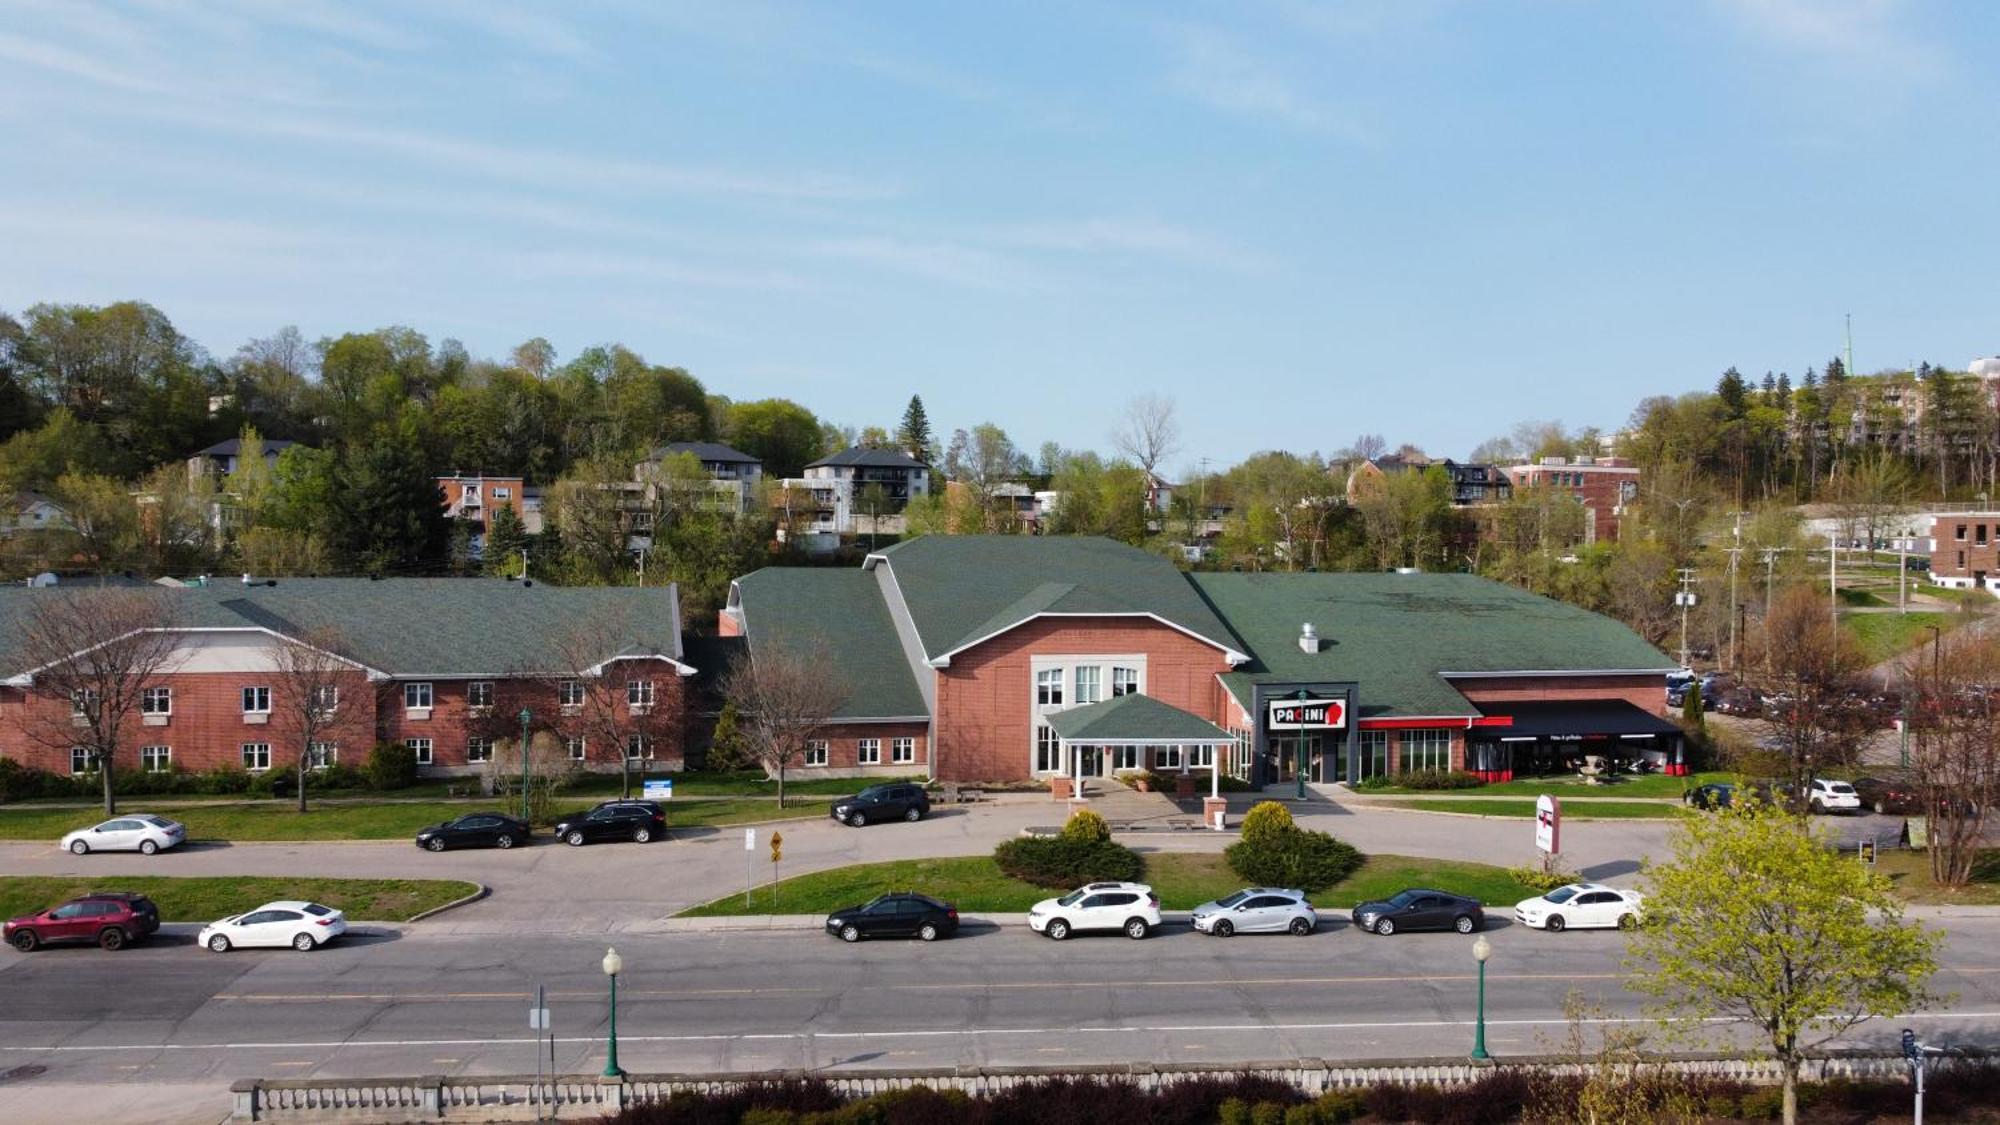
pixel 960 1033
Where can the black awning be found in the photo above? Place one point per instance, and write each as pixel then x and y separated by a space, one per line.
pixel 1586 718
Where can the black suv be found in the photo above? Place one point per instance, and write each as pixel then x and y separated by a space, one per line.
pixel 638 821
pixel 898 801
pixel 895 915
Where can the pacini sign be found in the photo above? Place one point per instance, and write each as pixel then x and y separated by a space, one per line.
pixel 1300 714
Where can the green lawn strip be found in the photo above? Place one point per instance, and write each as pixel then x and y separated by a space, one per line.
pixel 1910 871
pixel 1566 785
pixel 1525 808
pixel 1883 635
pixel 1183 880
pixel 599 786
pixel 206 899
pixel 358 821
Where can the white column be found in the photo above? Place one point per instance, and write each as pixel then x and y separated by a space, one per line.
pixel 1215 771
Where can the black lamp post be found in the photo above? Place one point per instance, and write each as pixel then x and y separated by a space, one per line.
pixel 526 717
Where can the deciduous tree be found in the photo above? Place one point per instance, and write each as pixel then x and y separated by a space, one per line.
pixel 1954 716
pixel 316 693
pixel 784 695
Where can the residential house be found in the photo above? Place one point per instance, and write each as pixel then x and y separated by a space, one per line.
pixel 1605 486
pixel 476 497
pixel 1472 484
pixel 220 460
pixel 29 512
pixel 733 476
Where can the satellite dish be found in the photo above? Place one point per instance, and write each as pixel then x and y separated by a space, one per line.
pixel 45 578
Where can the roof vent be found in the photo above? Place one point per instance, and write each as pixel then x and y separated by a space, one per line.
pixel 246 579
pixel 1308 638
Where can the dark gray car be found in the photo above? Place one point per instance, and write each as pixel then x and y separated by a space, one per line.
pixel 895 801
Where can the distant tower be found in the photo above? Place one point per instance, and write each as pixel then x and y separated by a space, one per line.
pixel 1850 346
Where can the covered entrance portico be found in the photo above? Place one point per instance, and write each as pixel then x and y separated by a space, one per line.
pixel 1539 738
pixel 1130 733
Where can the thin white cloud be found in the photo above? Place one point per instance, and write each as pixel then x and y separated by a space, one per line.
pixel 75 64
pixel 1131 236
pixel 1217 69
pixel 937 261
pixel 341 21
pixel 537 31
pixel 1867 32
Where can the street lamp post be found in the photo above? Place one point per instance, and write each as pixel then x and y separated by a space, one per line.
pixel 526 717
pixel 613 965
pixel 1481 950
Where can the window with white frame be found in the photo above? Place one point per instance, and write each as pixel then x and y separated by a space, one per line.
pixel 256 701
pixel 1124 757
pixel 479 693
pixel 868 751
pixel 1425 749
pixel 1200 757
pixel 256 756
pixel 503 493
pixel 816 752
pixel 478 749
pixel 322 755
pixel 1089 684
pixel 156 701
pixel 639 694
pixel 421 747
pixel 569 693
pixel 83 701
pixel 1124 681
pixel 417 696
pixel 1167 757
pixel 902 750
pixel 1049 687
pixel 576 748
pixel 156 759
pixel 637 746
pixel 1048 751
pixel 82 760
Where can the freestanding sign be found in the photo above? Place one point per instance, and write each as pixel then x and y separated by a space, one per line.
pixel 1548 824
pixel 1306 714
pixel 659 789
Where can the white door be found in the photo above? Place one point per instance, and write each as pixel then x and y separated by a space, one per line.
pixel 1597 908
pixel 117 835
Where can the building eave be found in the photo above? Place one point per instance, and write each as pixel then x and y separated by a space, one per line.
pixel 1234 657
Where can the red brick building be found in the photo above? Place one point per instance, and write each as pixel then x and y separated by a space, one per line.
pixel 997 656
pixel 1965 550
pixel 1605 486
pixel 445 666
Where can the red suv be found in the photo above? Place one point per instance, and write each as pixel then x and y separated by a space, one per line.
pixel 110 919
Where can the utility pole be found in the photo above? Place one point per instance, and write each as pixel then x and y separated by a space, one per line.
pixel 1733 553
pixel 642 566
pixel 1685 598
pixel 524 564
pixel 1770 562
pixel 1833 575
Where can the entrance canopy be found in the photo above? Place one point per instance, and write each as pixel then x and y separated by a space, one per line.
pixel 1588 718
pixel 1136 720
pixel 1549 737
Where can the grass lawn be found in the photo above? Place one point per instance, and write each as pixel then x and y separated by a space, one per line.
pixel 1569 784
pixel 1883 635
pixel 1183 880
pixel 1910 871
pixel 1524 808
pixel 599 786
pixel 206 899
pixel 278 820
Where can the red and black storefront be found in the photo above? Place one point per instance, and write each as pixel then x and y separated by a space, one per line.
pixel 1537 738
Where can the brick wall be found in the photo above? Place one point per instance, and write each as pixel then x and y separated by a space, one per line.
pixel 1965 545
pixel 985 698
pixel 844 747
pixel 1646 692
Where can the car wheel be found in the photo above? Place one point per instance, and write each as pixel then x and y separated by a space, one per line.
pixel 641 835
pixel 857 820
pixel 1058 930
pixel 1301 927
pixel 928 931
pixel 1136 928
pixel 1463 924
pixel 913 814
pixel 850 933
pixel 1628 921
pixel 1222 928
pixel 1384 926
pixel 25 940
pixel 1881 808
pixel 1818 808
pixel 113 938
pixel 436 844
pixel 1554 925
pixel 304 943
pixel 574 839
pixel 218 944
pixel 78 847
pixel 147 847
pixel 505 841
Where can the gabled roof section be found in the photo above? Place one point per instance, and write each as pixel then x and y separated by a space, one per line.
pixel 705 451
pixel 232 446
pixel 405 627
pixel 871 458
pixel 1401 636
pixel 965 589
pixel 1135 720
pixel 842 609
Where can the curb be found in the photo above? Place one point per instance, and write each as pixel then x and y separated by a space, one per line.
pixel 475 896
pixel 1567 815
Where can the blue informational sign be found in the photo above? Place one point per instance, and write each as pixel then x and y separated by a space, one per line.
pixel 659 789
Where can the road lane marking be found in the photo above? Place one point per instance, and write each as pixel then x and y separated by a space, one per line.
pixel 961 1033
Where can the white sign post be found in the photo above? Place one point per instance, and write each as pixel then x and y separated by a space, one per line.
pixel 1548 825
pixel 750 865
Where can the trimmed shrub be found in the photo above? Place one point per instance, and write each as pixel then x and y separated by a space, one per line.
pixel 392 765
pixel 1086 827
pixel 1529 875
pixel 1292 857
pixel 1063 862
pixel 1437 779
pixel 1266 820
pixel 338 777
pixel 1338 1107
pixel 1374 781
pixel 223 780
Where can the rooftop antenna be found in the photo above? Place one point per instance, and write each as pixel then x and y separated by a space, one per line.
pixel 1850 345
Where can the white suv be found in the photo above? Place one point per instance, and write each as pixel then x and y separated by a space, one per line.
pixel 1826 795
pixel 1131 907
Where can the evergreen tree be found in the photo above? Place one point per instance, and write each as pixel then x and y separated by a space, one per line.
pixel 914 435
pixel 505 536
pixel 1733 393
pixel 391 517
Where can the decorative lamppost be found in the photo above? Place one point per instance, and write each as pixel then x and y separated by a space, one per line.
pixel 613 965
pixel 527 716
pixel 1481 950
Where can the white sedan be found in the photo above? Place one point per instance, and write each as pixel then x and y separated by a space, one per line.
pixel 140 832
pixel 1580 906
pixel 305 926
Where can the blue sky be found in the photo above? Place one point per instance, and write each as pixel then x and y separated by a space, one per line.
pixel 1303 222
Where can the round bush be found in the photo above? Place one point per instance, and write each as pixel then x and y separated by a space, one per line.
pixel 1295 857
pixel 1086 827
pixel 1267 820
pixel 1064 863
pixel 392 765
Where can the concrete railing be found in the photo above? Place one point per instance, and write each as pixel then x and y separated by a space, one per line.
pixel 523 1097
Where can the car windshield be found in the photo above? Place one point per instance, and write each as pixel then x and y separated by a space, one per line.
pixel 1560 894
pixel 873 792
pixel 1072 898
pixel 1232 900
pixel 157 822
pixel 1840 787
pixel 1403 898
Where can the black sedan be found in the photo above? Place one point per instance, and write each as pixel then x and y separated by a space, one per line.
pixel 1420 908
pixel 1714 795
pixel 896 801
pixel 638 821
pixel 895 915
pixel 476 830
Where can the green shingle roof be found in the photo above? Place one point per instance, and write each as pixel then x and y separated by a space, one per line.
pixel 964 588
pixel 841 608
pixel 445 627
pixel 1394 634
pixel 1132 719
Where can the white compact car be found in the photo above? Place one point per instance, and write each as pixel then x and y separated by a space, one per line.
pixel 305 926
pixel 1131 907
pixel 141 832
pixel 1826 795
pixel 1256 910
pixel 1580 906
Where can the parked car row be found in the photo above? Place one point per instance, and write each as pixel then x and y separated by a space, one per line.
pixel 116 919
pixel 638 821
pixel 1822 795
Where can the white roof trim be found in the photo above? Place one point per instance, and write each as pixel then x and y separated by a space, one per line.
pixel 1145 741
pixel 27 678
pixel 1234 657
pixel 598 669
pixel 1561 672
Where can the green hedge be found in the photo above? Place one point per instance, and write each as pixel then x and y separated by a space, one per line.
pixel 392 765
pixel 1062 862
pixel 1436 779
pixel 1293 857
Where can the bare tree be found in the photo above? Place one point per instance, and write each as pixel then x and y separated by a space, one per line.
pixel 1150 433
pixel 1955 750
pixel 615 698
pixel 314 692
pixel 784 697
pixel 91 655
pixel 1809 676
